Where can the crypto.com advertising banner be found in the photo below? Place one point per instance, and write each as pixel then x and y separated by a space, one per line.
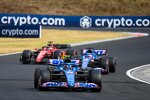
pixel 85 22
pixel 20 31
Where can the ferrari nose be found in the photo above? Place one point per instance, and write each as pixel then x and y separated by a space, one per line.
pixel 38 60
pixel 41 55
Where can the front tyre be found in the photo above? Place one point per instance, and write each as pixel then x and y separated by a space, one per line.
pixel 95 77
pixel 44 77
pixel 36 77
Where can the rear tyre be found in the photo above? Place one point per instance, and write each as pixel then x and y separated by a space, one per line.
pixel 112 64
pixel 26 56
pixel 57 54
pixel 95 77
pixel 104 65
pixel 44 77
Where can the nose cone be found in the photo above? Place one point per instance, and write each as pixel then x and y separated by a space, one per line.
pixel 38 60
pixel 70 76
pixel 71 84
pixel 85 63
pixel 41 55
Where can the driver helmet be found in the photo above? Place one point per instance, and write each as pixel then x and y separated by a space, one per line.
pixel 44 48
pixel 50 48
pixel 67 60
pixel 89 51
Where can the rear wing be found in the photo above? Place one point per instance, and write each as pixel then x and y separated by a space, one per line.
pixel 98 52
pixel 61 61
pixel 62 46
pixel 59 46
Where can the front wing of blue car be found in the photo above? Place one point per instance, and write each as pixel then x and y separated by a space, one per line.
pixel 65 85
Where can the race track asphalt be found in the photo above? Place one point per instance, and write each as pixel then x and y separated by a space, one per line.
pixel 16 79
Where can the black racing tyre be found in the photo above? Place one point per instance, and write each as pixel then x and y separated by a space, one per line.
pixel 112 64
pixel 26 56
pixel 95 77
pixel 71 52
pixel 45 76
pixel 104 65
pixel 81 51
pixel 57 54
pixel 64 46
pixel 36 77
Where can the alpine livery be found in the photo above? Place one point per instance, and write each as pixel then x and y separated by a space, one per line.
pixel 98 58
pixel 67 74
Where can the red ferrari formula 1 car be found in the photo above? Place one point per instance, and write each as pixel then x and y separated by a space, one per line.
pixel 51 51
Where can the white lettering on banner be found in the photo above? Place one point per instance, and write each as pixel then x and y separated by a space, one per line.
pixel 4 20
pixel 13 32
pixel 4 32
pixel 109 23
pixel 123 21
pixel 146 22
pixel 22 21
pixel 117 22
pixel 129 22
pixel 34 21
pixel 85 22
pixel 114 23
pixel 19 21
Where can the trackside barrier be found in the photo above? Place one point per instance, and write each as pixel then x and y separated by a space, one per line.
pixel 21 31
pixel 84 22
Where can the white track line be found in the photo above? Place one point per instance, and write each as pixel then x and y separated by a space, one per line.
pixel 133 77
pixel 137 34
pixel 134 34
pixel 9 54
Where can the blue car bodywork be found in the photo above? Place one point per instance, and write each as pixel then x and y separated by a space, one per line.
pixel 98 59
pixel 72 72
pixel 90 55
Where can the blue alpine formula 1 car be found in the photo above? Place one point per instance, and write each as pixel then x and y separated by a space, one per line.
pixel 67 74
pixel 98 58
